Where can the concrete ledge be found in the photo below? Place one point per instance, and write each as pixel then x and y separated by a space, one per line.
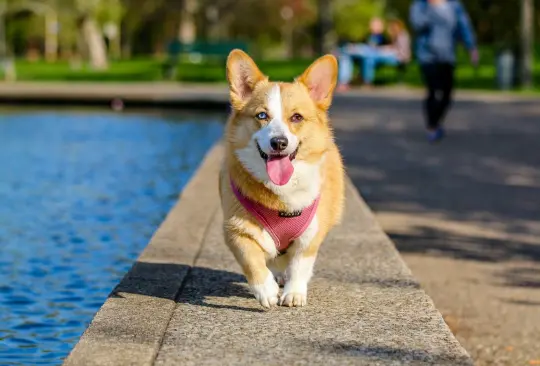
pixel 129 327
pixel 192 96
pixel 168 95
pixel 185 301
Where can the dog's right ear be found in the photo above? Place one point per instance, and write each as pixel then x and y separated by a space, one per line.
pixel 242 74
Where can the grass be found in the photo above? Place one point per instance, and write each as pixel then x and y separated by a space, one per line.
pixel 213 71
pixel 484 77
pixel 138 70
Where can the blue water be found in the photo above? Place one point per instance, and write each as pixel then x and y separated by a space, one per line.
pixel 81 193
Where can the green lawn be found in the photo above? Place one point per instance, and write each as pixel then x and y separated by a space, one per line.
pixel 149 70
pixel 483 77
pixel 138 70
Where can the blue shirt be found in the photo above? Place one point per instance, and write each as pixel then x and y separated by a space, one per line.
pixel 438 29
pixel 375 40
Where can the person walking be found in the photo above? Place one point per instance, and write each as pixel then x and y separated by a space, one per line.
pixel 439 25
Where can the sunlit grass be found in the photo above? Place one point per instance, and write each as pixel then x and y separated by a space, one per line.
pixel 213 71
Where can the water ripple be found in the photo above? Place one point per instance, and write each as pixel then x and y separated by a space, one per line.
pixel 81 194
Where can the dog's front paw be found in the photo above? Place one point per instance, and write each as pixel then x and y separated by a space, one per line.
pixel 293 299
pixel 294 296
pixel 267 293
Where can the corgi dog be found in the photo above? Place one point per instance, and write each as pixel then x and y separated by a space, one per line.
pixel 282 180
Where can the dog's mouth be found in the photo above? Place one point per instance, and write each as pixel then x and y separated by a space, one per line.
pixel 278 166
pixel 267 157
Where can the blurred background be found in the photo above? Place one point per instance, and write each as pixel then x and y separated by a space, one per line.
pixel 83 189
pixel 139 40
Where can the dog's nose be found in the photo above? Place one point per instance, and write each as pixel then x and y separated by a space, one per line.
pixel 279 143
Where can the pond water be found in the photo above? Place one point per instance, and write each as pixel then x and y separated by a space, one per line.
pixel 81 193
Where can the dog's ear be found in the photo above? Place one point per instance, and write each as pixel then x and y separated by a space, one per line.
pixel 320 79
pixel 242 74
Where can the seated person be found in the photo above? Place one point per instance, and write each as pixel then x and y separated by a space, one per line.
pixel 376 36
pixel 400 44
pixel 378 51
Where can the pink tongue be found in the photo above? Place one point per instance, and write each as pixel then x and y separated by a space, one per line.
pixel 279 169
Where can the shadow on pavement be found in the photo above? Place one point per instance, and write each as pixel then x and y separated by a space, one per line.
pixel 184 284
pixel 521 277
pixel 382 353
pixel 485 176
pixel 440 242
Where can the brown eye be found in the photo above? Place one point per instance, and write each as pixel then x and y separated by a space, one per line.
pixel 297 118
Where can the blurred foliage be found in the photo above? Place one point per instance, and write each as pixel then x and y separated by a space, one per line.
pixel 351 17
pixel 151 69
pixel 147 27
pixel 23 29
pixel 496 22
pixel 26 26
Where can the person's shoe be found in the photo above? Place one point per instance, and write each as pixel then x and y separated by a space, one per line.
pixel 436 135
pixel 343 88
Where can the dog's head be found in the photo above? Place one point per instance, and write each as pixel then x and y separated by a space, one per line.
pixel 279 129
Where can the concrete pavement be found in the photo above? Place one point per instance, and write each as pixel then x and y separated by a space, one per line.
pixel 186 302
pixel 464 214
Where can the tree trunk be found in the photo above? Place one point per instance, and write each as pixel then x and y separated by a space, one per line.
pixel 213 23
pixel 325 42
pixel 126 50
pixel 527 43
pixel 51 37
pixel 94 43
pixel 3 38
pixel 126 41
pixel 188 31
pixel 7 66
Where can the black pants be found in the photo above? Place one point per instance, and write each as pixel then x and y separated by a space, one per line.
pixel 439 80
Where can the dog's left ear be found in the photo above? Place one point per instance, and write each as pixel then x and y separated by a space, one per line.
pixel 320 79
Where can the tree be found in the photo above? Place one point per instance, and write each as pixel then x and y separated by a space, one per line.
pixel 138 21
pixel 352 17
pixel 49 14
pixel 527 42
pixel 325 39
pixel 187 32
pixel 87 12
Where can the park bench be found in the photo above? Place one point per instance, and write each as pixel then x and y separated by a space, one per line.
pixel 399 74
pixel 197 52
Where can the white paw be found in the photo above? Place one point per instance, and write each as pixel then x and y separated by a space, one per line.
pixel 294 295
pixel 267 293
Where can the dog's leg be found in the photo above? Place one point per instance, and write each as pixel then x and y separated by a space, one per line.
pixel 300 267
pixel 278 267
pixel 253 261
pixel 299 273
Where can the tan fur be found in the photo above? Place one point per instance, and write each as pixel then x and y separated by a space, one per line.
pixel 309 96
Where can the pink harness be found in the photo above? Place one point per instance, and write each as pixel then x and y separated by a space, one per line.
pixel 284 227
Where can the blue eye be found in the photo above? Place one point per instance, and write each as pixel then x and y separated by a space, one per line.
pixel 262 115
